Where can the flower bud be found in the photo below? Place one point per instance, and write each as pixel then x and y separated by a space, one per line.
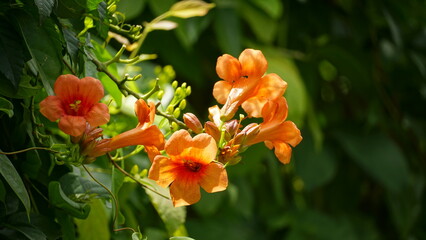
pixel 232 127
pixel 188 91
pixel 183 85
pixel 248 133
pixel 193 123
pixel 174 126
pixel 174 84
pixel 182 104
pixel 176 113
pixel 211 129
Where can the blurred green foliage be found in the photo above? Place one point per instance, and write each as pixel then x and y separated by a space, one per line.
pixel 356 74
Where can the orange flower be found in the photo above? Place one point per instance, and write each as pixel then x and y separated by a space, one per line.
pixel 144 134
pixel 244 84
pixel 190 165
pixel 76 102
pixel 276 132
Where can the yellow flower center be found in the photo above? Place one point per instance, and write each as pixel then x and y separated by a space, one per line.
pixel 192 166
pixel 75 105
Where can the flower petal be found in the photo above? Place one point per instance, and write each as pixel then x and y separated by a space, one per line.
pixel 282 151
pixel 221 91
pixel 177 143
pixel 203 148
pixel 275 111
pixel 163 171
pixel 271 87
pixel 184 192
pixel 253 63
pixel 72 125
pixel 152 152
pixel 51 108
pixel 214 178
pixel 228 68
pixel 66 87
pixel 90 90
pixel 151 136
pixel 98 115
pixel 144 113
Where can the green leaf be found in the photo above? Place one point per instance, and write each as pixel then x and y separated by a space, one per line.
pixel 92 4
pixel 131 8
pixel 58 199
pixel 71 8
pixel 316 167
pixel 160 7
pixel 43 44
pixel 295 94
pixel 67 224
pixel 173 218
pixel 6 106
pixel 28 231
pixel 263 26
pixel 44 7
pixel 273 8
pixel 227 28
pixel 379 156
pixel 12 54
pixel 103 55
pixel 96 225
pixel 9 173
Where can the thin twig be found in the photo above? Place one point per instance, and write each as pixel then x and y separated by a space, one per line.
pixel 133 178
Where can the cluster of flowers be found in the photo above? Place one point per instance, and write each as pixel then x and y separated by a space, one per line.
pixel 184 163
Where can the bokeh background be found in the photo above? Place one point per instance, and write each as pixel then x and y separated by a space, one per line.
pixel 356 74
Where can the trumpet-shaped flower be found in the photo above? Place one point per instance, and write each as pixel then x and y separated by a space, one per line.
pixel 276 132
pixel 244 83
pixel 190 165
pixel 76 102
pixel 143 134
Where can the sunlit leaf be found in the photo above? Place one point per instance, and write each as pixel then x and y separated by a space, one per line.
pixel 9 173
pixel 173 218
pixel 103 55
pixel 164 25
pixel 96 225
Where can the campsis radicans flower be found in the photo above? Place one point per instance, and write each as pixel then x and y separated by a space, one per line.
pixel 190 164
pixel 145 133
pixel 76 103
pixel 244 84
pixel 276 132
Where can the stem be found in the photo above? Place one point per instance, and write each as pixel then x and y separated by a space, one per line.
pixel 110 193
pixel 29 149
pixel 134 179
pixel 170 117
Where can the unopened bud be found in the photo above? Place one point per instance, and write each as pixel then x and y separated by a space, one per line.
pixel 175 84
pixel 179 91
pixel 176 113
pixel 232 127
pixel 188 91
pixel 160 94
pixel 183 85
pixel 192 123
pixel 182 104
pixel 174 126
pixel 249 133
pixel 170 109
pixel 211 129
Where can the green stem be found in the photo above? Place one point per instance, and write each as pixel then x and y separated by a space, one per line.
pixel 110 193
pixel 29 149
pixel 134 179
